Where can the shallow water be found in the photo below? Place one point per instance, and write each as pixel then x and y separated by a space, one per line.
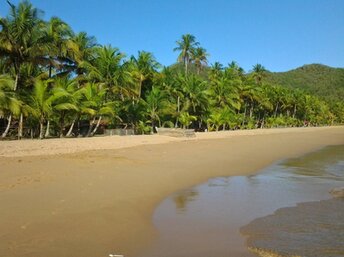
pixel 205 220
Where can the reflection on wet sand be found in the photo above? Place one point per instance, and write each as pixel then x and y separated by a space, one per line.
pixel 183 198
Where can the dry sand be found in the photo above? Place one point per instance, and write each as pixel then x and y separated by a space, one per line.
pixel 95 196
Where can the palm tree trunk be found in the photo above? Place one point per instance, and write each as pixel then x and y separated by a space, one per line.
pixel 41 128
pixel 276 109
pixel 20 127
pixel 10 116
pixel 140 88
pixel 178 110
pixel 62 123
pixel 50 71
pixel 251 111
pixel 243 121
pixel 91 126
pixel 47 132
pixel 9 120
pixel 96 128
pixel 16 83
pixel 186 67
pixel 153 125
pixel 294 113
pixel 69 133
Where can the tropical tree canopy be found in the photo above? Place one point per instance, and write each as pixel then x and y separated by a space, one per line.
pixel 55 82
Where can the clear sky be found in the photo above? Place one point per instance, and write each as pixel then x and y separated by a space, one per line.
pixel 279 34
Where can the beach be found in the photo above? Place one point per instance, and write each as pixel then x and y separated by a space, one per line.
pixel 96 196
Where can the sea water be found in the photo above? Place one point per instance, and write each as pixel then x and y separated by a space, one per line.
pixel 226 215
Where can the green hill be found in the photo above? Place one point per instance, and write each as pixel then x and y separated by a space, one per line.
pixel 321 80
pixel 318 79
pixel 179 68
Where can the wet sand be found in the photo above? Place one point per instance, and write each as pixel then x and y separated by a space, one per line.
pixel 59 200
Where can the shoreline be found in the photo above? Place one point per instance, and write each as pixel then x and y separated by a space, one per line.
pixel 98 202
pixel 60 146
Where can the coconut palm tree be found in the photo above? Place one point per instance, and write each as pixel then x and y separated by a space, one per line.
pixel 20 40
pixel 224 94
pixel 142 70
pixel 186 45
pixel 258 73
pixel 199 56
pixel 20 36
pixel 68 102
pixel 105 69
pixel 9 104
pixel 41 102
pixel 186 119
pixel 57 34
pixel 215 71
pixel 94 106
pixel 156 105
pixel 81 50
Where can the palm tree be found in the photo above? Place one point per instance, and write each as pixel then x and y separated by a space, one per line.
pixel 9 104
pixel 93 105
pixel 57 34
pixel 224 94
pixel 259 72
pixel 156 105
pixel 41 102
pixel 195 93
pixel 81 50
pixel 215 120
pixel 20 40
pixel 69 100
pixel 199 57
pixel 105 69
pixel 186 45
pixel 215 71
pixel 20 37
pixel 186 119
pixel 142 70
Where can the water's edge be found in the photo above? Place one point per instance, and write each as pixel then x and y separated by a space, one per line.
pixel 206 219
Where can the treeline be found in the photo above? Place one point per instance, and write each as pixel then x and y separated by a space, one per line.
pixel 53 79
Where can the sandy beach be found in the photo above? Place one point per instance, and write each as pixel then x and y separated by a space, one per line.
pixel 95 196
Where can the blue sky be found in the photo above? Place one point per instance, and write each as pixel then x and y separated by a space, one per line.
pixel 280 34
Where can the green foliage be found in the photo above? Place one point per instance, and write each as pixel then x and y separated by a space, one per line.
pixel 323 81
pixel 51 79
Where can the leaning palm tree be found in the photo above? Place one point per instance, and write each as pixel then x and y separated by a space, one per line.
pixel 67 104
pixel 94 106
pixel 9 104
pixel 186 45
pixel 199 57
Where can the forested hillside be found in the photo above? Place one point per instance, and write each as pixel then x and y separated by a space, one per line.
pixel 321 80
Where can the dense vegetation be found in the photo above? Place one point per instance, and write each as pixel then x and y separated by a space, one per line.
pixel 321 80
pixel 53 80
